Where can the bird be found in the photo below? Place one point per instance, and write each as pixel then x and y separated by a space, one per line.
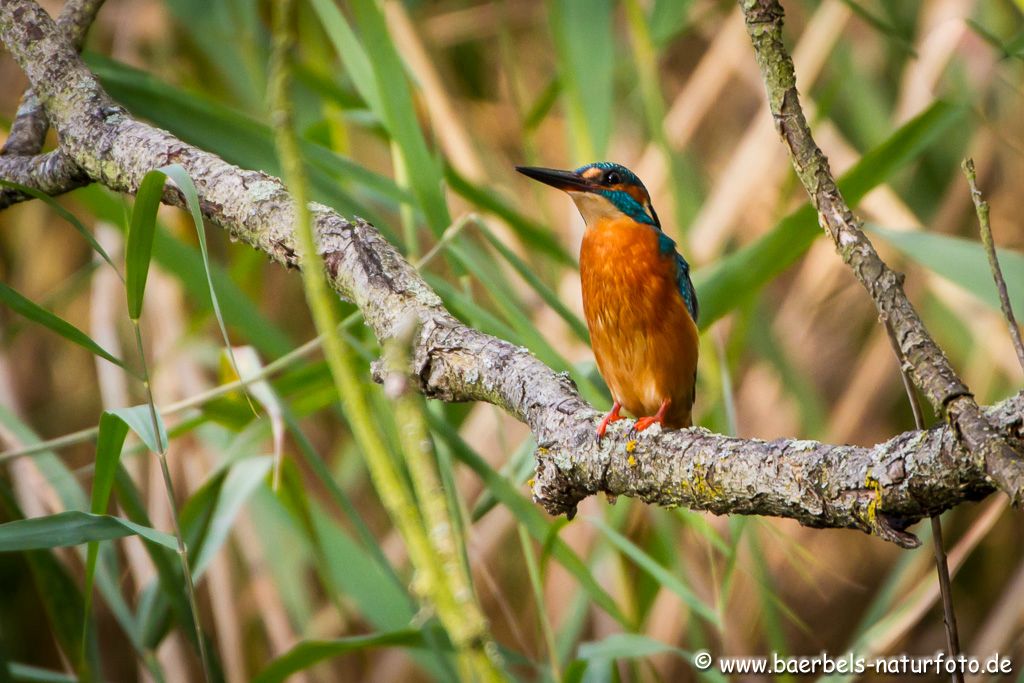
pixel 638 298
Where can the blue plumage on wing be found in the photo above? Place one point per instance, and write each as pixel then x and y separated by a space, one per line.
pixel 686 286
pixel 667 246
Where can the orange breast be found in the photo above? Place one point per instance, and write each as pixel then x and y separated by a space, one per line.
pixel 643 337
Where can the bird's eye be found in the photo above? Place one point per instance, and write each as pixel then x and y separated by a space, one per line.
pixel 612 178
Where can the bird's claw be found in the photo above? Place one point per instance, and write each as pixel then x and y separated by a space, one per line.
pixel 643 423
pixel 612 416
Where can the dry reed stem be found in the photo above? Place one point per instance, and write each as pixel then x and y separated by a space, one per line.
pixel 757 162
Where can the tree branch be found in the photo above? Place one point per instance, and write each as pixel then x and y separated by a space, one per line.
pixel 20 161
pixel 879 490
pixel 53 173
pixel 928 365
pixel 28 131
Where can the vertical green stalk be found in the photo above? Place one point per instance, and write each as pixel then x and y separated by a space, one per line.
pixel 459 612
pixel 405 210
pixel 538 596
pixel 647 71
pixel 646 57
pixel 431 581
pixel 190 588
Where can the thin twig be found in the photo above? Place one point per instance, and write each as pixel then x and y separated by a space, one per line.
pixel 190 587
pixel 981 206
pixel 941 563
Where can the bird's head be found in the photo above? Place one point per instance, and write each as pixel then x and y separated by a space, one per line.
pixel 600 190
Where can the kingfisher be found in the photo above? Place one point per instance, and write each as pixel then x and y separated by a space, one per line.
pixel 638 299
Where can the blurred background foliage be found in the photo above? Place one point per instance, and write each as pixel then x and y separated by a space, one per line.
pixel 412 115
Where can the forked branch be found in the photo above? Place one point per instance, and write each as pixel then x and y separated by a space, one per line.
pixel 20 159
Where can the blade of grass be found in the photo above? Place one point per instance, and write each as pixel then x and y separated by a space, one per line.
pixel 25 307
pixel 247 362
pixel 1013 48
pixel 206 518
pixel 528 274
pixel 627 646
pixel 240 139
pixel 485 271
pixel 291 494
pixel 960 261
pixel 668 18
pixel 381 79
pixel 537 585
pixel 381 597
pixel 479 317
pixel 184 182
pixel 241 481
pixel 138 420
pixel 542 105
pixel 232 42
pixel 35 674
pixel 310 652
pixel 882 26
pixel 532 233
pixel 168 571
pixel 186 263
pixel 109 443
pixel 139 242
pixel 516 469
pixel 648 80
pixel 138 252
pixel 59 596
pixel 72 527
pixel 586 74
pixel 341 499
pixel 350 50
pixel 252 316
pixel 72 497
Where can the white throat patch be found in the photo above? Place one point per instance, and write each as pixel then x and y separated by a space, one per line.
pixel 593 206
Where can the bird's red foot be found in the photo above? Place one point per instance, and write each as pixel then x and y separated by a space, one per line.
pixel 645 422
pixel 612 416
pixel 659 417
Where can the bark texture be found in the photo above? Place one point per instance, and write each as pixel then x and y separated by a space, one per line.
pixel 879 490
pixel 53 173
pixel 20 161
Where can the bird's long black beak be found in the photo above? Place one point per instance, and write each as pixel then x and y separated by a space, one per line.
pixel 567 181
